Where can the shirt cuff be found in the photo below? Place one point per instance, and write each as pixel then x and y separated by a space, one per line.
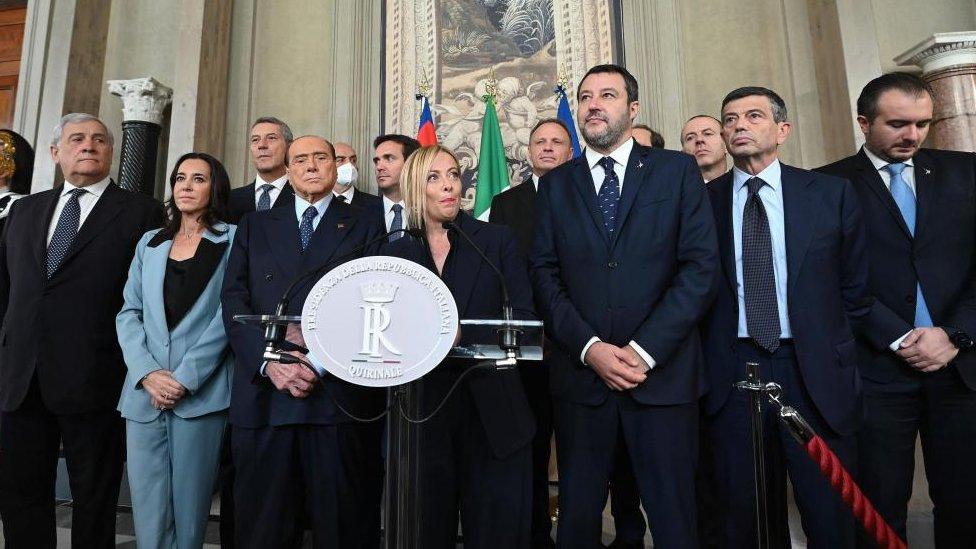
pixel 263 366
pixel 643 354
pixel 586 347
pixel 896 344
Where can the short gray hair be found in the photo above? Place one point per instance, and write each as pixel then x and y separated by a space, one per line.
pixel 282 127
pixel 77 118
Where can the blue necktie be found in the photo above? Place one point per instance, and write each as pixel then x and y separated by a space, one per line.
pixel 397 222
pixel 264 200
pixel 758 275
pixel 609 195
pixel 64 231
pixel 305 229
pixel 905 199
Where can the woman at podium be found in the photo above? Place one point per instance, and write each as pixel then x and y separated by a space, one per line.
pixel 177 389
pixel 475 453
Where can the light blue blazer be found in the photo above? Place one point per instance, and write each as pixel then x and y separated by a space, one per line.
pixel 196 351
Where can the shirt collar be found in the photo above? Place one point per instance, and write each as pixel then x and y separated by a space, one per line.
pixel 388 204
pixel 535 181
pixel 880 163
pixel 277 183
pixel 96 188
pixel 301 205
pixel 620 155
pixel 771 174
pixel 347 193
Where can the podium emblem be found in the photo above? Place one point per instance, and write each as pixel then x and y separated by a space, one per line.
pixel 379 321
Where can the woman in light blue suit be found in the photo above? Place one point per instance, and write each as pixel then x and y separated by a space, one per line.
pixel 177 390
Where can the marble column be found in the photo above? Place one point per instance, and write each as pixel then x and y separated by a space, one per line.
pixel 948 62
pixel 143 101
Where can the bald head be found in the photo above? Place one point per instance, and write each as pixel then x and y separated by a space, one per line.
pixel 345 153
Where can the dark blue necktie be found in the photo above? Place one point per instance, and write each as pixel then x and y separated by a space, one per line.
pixel 397 222
pixel 758 276
pixel 609 195
pixel 64 231
pixel 264 200
pixel 305 229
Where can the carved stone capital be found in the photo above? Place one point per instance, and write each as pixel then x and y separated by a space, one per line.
pixel 942 50
pixel 143 99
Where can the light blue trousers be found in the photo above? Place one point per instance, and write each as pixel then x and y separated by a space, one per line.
pixel 172 463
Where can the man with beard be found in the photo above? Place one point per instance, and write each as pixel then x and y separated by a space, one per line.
pixel 917 364
pixel 268 142
pixel 701 137
pixel 622 265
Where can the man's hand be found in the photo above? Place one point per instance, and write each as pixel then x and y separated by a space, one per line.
pixel 296 379
pixel 927 349
pixel 618 367
pixel 164 391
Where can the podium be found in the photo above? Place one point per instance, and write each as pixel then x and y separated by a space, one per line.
pixel 399 322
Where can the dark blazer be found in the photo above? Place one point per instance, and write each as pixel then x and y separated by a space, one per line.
pixel 942 256
pixel 63 328
pixel 651 284
pixel 515 208
pixel 242 201
pixel 265 257
pixel 827 296
pixel 365 200
pixel 498 395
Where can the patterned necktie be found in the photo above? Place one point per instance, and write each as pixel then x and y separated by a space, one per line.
pixel 905 199
pixel 758 277
pixel 341 197
pixel 397 222
pixel 609 195
pixel 264 200
pixel 64 231
pixel 305 229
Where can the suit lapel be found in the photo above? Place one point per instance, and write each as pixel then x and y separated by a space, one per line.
pixel 464 283
pixel 800 208
pixel 926 194
pixel 336 223
pixel 871 178
pixel 154 270
pixel 281 231
pixel 634 178
pixel 583 181
pixel 722 189
pixel 285 197
pixel 109 205
pixel 42 223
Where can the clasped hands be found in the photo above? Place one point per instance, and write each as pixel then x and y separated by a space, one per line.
pixel 297 380
pixel 927 349
pixel 164 391
pixel 621 368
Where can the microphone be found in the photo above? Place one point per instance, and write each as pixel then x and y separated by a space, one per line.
pixel 508 335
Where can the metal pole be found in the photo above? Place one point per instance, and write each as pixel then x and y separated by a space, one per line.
pixel 402 511
pixel 754 385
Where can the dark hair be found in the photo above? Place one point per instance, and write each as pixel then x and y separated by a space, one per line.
pixel 282 127
pixel 20 181
pixel 219 193
pixel 775 101
pixel 545 121
pixel 408 144
pixel 657 140
pixel 630 83
pixel 867 102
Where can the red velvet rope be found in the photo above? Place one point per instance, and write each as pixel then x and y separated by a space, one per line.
pixel 842 482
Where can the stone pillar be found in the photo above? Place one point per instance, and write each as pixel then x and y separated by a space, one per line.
pixel 143 101
pixel 948 62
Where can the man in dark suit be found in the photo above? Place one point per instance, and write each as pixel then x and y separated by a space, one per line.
pixel 295 453
pixel 63 262
pixel 268 141
pixel 347 164
pixel 622 265
pixel 390 151
pixel 793 291
pixel 916 358
pixel 549 146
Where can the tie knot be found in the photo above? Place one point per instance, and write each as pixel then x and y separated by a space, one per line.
pixel 396 208
pixel 754 184
pixel 266 187
pixel 607 164
pixel 895 168
pixel 310 213
pixel 76 193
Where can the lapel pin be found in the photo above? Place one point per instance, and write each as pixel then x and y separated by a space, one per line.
pixel 927 171
pixel 340 225
pixel 640 164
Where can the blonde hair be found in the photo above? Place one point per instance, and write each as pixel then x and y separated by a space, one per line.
pixel 413 182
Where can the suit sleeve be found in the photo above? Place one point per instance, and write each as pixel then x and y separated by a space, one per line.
pixel 854 268
pixel 247 341
pixel 963 315
pixel 129 322
pixel 686 300
pixel 564 324
pixel 4 271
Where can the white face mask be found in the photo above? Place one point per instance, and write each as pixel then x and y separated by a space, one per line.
pixel 347 174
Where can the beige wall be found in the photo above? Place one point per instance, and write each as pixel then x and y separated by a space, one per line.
pixel 901 24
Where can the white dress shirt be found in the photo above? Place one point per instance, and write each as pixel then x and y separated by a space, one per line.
pixel 87 202
pixel 771 195
pixel 273 193
pixel 535 181
pixel 620 157
pixel 908 176
pixel 388 212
